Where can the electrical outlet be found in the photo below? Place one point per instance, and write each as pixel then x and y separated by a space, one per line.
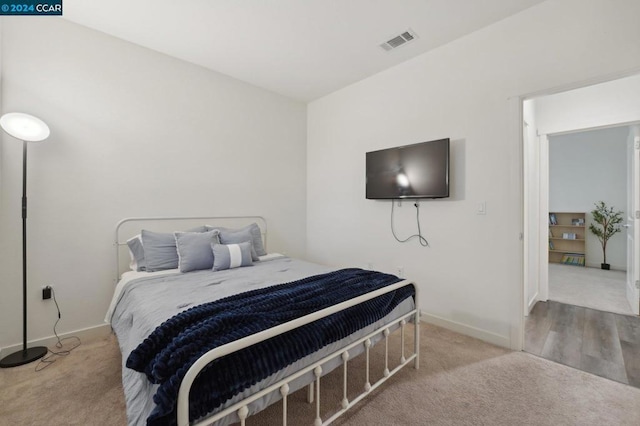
pixel 400 271
pixel 46 292
pixel 481 208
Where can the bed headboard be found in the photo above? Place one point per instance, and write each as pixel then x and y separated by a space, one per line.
pixel 131 226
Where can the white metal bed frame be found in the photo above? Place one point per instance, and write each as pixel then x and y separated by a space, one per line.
pixel 241 407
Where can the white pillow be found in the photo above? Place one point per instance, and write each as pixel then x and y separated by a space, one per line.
pixel 136 251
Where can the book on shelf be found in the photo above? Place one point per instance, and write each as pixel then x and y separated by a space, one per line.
pixel 569 236
pixel 573 259
pixel 551 246
pixel 550 233
pixel 552 219
pixel 577 222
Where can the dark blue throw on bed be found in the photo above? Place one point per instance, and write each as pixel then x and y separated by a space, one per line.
pixel 166 355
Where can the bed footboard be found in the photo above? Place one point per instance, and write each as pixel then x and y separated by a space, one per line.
pixel 241 407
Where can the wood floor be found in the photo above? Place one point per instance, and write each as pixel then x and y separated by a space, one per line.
pixel 598 342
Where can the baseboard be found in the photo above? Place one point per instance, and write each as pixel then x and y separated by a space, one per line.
pixel 468 330
pixel 85 334
pixel 622 268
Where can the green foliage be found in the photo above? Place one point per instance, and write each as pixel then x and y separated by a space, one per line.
pixel 608 223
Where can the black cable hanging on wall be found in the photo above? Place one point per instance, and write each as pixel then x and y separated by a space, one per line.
pixel 52 355
pixel 423 241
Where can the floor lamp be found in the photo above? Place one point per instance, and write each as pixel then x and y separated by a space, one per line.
pixel 26 128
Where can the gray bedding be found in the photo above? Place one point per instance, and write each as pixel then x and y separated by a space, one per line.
pixel 147 302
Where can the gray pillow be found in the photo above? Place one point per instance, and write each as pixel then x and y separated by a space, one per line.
pixel 231 256
pixel 162 248
pixel 256 236
pixel 194 249
pixel 159 250
pixel 237 236
pixel 136 250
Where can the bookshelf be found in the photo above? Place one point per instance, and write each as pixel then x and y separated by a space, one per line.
pixel 567 238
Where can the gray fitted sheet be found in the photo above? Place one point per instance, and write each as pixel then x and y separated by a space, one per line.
pixel 147 302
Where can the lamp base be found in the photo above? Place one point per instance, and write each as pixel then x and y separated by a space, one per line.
pixel 23 357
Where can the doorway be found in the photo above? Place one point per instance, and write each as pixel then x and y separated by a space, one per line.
pixel 586 168
pixel 563 121
pixel 589 339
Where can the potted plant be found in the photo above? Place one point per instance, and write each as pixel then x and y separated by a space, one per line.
pixel 607 224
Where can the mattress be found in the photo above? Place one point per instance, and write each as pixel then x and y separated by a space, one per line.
pixel 143 301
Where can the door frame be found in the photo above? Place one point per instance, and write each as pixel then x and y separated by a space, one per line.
pixel 633 211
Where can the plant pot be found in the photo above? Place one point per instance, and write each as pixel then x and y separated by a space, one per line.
pixel 605 266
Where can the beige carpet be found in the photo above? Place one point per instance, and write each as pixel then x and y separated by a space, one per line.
pixel 462 381
pixel 84 388
pixel 589 287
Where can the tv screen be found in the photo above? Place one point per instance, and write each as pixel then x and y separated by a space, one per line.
pixel 413 171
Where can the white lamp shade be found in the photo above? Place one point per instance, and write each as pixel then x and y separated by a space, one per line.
pixel 24 127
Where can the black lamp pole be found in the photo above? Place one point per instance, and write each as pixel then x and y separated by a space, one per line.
pixel 26 355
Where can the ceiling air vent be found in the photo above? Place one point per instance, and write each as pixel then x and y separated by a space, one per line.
pixel 399 40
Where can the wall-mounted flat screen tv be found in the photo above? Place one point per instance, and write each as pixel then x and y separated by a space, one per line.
pixel 412 171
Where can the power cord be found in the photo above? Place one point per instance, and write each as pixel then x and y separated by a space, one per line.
pixel 423 241
pixel 49 359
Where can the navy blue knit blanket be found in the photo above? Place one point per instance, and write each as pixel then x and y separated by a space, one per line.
pixel 166 355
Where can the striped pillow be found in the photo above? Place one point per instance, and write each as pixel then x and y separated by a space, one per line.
pixel 229 256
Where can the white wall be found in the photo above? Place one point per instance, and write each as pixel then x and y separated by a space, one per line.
pixel 586 167
pixel 604 104
pixel 133 133
pixel 469 276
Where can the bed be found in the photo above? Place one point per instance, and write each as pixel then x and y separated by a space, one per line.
pixel 178 369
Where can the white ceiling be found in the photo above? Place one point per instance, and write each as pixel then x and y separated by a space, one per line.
pixel 303 49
